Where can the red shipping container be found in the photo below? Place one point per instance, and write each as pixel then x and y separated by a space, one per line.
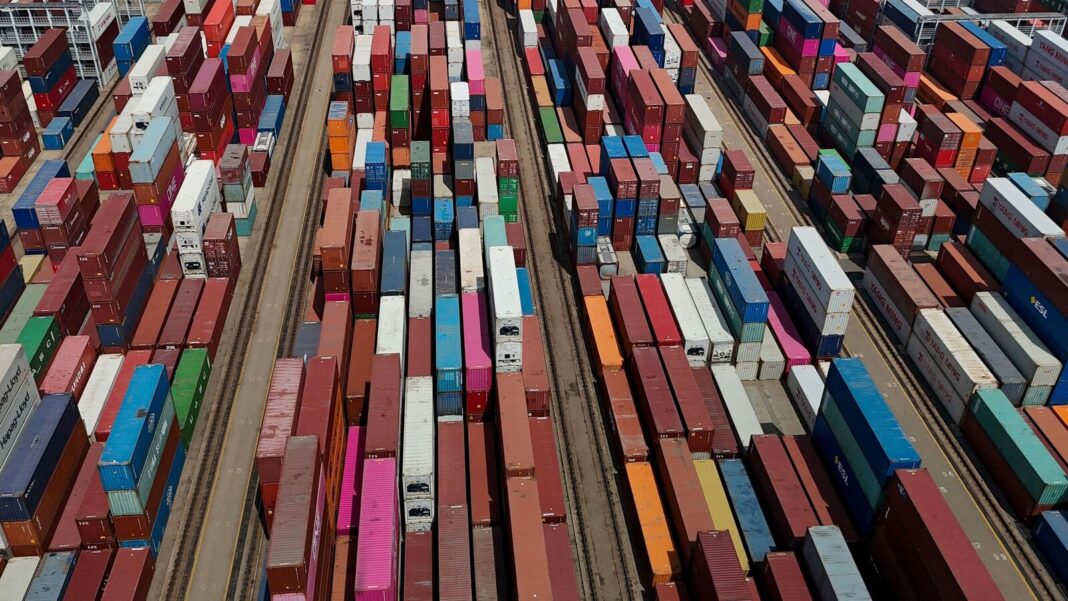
pixel 39 59
pixel 514 434
pixel 383 411
pixel 209 319
pixel 695 417
pixel 784 498
pixel 67 536
pixel 64 298
pixel 684 499
pixel 783 579
pixel 535 376
pixel 418 362
pixel 629 440
pixel 219 20
pixel 343 47
pixel 358 381
pixel 418 567
pixel 452 469
pixel 628 314
pixel 483 474
pixel 130 263
pixel 453 552
pixel 724 444
pixel 70 367
pixel 561 565
pixel 547 468
pixel 113 224
pixel 279 417
pixel 653 393
pixel 367 254
pixel 297 535
pixel 180 316
pixel 658 310
pixel 91 572
pixel 528 549
pixel 715 572
pixel 130 576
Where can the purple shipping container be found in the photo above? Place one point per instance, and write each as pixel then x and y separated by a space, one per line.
pixel 477 359
pixel 786 333
pixel 348 513
pixel 376 552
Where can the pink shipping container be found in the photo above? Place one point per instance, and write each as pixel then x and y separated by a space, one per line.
pixel 376 551
pixel 476 78
pixel 786 333
pixel 279 417
pixel 477 361
pixel 70 367
pixel 348 514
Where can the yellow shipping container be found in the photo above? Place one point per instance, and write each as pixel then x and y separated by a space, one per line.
pixel 542 97
pixel 750 210
pixel 30 265
pixel 663 559
pixel 720 507
pixel 802 179
pixel 603 334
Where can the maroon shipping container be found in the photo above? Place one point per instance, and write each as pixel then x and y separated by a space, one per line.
pixel 658 310
pixel 383 410
pixel 130 576
pixel 92 516
pixel 817 484
pixel 452 464
pixel 292 548
pixel 896 45
pixel 715 572
pixel 155 314
pixel 418 567
pixel 671 591
pixel 629 441
pixel 221 250
pixel 130 263
pixel 628 314
pixel 366 254
pixel 883 76
pixel 67 537
pixel 923 180
pixel 683 496
pixel 454 552
pixel 279 416
pixel 358 380
pixel 113 224
pixel 90 572
pixel 487 546
pixel 64 298
pixel 70 367
pixel 1047 268
pixel 904 287
pixel 517 240
pixel 724 444
pixel 938 285
pixel 280 75
pixel 653 394
pixel 937 546
pixel 691 406
pixel 783 497
pixel 334 335
pixel 39 59
pixel 547 466
pixel 180 316
pixel 517 452
pixel 589 281
pixel 1014 144
pixel 561 564
pixel 418 362
pixel 782 578
pixel 209 320
pixel 483 475
pixel 535 375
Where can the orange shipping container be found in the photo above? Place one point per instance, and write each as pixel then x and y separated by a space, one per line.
pixel 627 427
pixel 530 563
pixel 973 134
pixel 662 561
pixel 602 333
pixel 541 91
pixel 517 451
pixel 933 93
pixel 1052 431
pixel 775 67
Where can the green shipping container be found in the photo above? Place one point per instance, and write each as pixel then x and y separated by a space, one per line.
pixel 21 313
pixel 85 168
pixel 510 217
pixel 987 253
pixel 834 237
pixel 40 338
pixel 765 36
pixel 187 389
pixel 550 126
pixel 508 185
pixel 399 102
pixel 873 490
pixel 937 240
pixel 507 203
pixel 1037 470
pixel 860 90
pixel 753 6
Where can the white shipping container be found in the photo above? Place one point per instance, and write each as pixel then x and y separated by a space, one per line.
pixel 528 29
pixel 120 130
pixel 701 128
pixel 747 370
pixel 952 353
pixel 418 515
pixel 392 326
pixel 472 276
pixel 558 161
pixel 899 325
pixel 747 352
pixel 736 400
pixel 197 199
pixel 486 182
pixel 906 127
pixel 1036 395
pixel 721 342
pixel 460 96
pixel 607 261
pixel 929 369
pixel 359 153
pixel 672 52
pixel 1052 47
pixel 194 6
pixel 1009 379
pixel 1016 42
pixel 592 102
pixel 1039 66
pixel 1015 211
pixel 421 284
pixel 805 385
pixel 22 403
pixel 272 9
pixel 807 250
pixel 694 338
pixel 99 18
pixel 16 578
pixel 687 231
pixel 772 361
pixel 147 67
pixel 189 242
pixel 1038 131
pixel 831 324
pixel 417 461
pixel 675 256
pixel 401 188
pixel 97 389
pixel 361 57
pixel 505 305
pixel 194 265
pixel 8 58
pixel 508 357
pixel 1037 365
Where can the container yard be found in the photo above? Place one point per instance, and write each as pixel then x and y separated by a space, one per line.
pixel 548 299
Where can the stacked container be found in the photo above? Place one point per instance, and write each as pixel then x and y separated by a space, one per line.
pixel 18 140
pixel 813 279
pixel 197 199
pixel 50 70
pixel 238 194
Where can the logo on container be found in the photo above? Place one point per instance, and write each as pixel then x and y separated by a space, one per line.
pixel 1039 307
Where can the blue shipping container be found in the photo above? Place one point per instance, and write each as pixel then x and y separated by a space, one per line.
pixel 998 50
pixel 843 476
pixel 394 263
pixel 35 455
pixel 132 40
pixel 851 389
pixel 120 334
pixel 729 261
pixel 42 84
pixel 306 341
pixel 79 101
pixel 751 521
pixel 1051 535
pixel 635 147
pixel 127 447
pixel 11 289
pixel 148 157
pixel 445 273
pixel 834 172
pixel 57 134
pixel 422 230
pixel 52 577
pixel 274 113
pixel 448 344
pixel 648 258
pixel 526 294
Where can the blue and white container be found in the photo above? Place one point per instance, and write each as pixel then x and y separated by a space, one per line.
pixel 131 436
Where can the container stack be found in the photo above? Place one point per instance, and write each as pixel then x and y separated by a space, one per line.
pixel 854 111
pixel 508 180
pixel 184 60
pixel 740 296
pixel 958 60
pixel 212 109
pixel 246 63
pixel 704 134
pixel 64 210
pixel 197 199
pixel 18 140
pixel 51 74
pixel 238 194
pixel 156 170
pixel 813 279
pixel 216 26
